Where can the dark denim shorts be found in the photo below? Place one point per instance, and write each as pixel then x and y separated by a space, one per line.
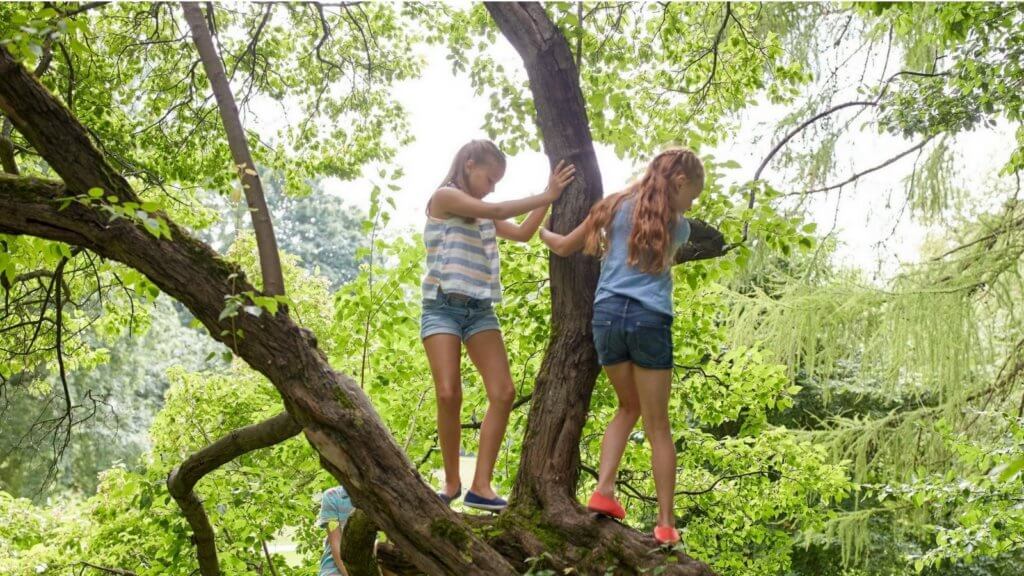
pixel 457 315
pixel 626 331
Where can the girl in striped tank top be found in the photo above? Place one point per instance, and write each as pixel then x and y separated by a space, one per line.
pixel 460 286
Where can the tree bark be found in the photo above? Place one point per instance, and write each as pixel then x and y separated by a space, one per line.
pixel 266 242
pixel 549 466
pixel 7 160
pixel 183 478
pixel 336 416
pixel 705 242
pixel 270 268
pixel 357 545
pixel 544 497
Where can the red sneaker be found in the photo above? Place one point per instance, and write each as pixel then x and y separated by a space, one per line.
pixel 666 535
pixel 604 505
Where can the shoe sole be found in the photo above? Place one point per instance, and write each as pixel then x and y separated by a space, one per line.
pixel 606 514
pixel 487 507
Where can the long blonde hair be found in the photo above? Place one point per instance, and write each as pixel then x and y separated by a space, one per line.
pixel 650 242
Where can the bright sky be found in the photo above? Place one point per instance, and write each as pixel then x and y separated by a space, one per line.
pixel 444 113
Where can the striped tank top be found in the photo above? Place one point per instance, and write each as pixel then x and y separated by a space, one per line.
pixel 462 258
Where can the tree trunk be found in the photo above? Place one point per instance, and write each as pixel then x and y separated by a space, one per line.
pixel 266 242
pixel 357 545
pixel 7 160
pixel 544 499
pixel 281 427
pixel 336 416
pixel 549 468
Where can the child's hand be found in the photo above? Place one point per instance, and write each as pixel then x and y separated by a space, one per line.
pixel 561 176
pixel 548 237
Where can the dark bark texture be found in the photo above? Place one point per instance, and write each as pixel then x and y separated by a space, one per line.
pixel 335 415
pixel 545 520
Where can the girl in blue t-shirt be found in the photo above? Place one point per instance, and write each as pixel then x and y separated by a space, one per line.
pixel 637 232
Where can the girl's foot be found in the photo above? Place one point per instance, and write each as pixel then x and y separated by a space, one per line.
pixel 495 504
pixel 448 499
pixel 607 506
pixel 666 535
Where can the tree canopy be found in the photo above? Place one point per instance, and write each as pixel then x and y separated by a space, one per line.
pixel 826 421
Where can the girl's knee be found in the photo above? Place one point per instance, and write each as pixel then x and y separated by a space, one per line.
pixel 502 396
pixel 449 395
pixel 658 426
pixel 630 411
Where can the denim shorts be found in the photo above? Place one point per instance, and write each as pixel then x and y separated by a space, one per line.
pixel 455 314
pixel 626 331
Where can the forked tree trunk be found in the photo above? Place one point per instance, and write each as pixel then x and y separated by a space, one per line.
pixel 549 467
pixel 335 415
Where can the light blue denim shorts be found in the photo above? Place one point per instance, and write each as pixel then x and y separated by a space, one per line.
pixel 455 314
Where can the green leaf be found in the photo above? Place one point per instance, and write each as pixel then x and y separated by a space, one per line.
pixel 1011 469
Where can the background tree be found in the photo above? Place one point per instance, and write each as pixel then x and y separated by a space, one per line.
pixel 909 388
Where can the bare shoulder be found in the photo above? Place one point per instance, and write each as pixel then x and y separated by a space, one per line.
pixel 440 200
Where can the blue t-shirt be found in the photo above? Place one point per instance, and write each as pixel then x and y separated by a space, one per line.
pixel 334 507
pixel 653 291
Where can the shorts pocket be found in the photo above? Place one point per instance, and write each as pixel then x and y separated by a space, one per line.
pixel 602 331
pixel 650 345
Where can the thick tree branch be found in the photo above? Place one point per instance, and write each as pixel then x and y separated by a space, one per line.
pixel 7 160
pixel 337 417
pixel 182 479
pixel 705 242
pixel 357 545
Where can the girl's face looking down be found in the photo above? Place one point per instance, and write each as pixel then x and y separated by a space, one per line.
pixel 684 192
pixel 482 176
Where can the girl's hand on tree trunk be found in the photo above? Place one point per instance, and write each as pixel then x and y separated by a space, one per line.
pixel 560 177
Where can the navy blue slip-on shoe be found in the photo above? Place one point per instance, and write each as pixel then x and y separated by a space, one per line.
pixel 449 499
pixel 496 504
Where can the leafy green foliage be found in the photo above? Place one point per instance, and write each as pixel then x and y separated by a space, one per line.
pixel 825 424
